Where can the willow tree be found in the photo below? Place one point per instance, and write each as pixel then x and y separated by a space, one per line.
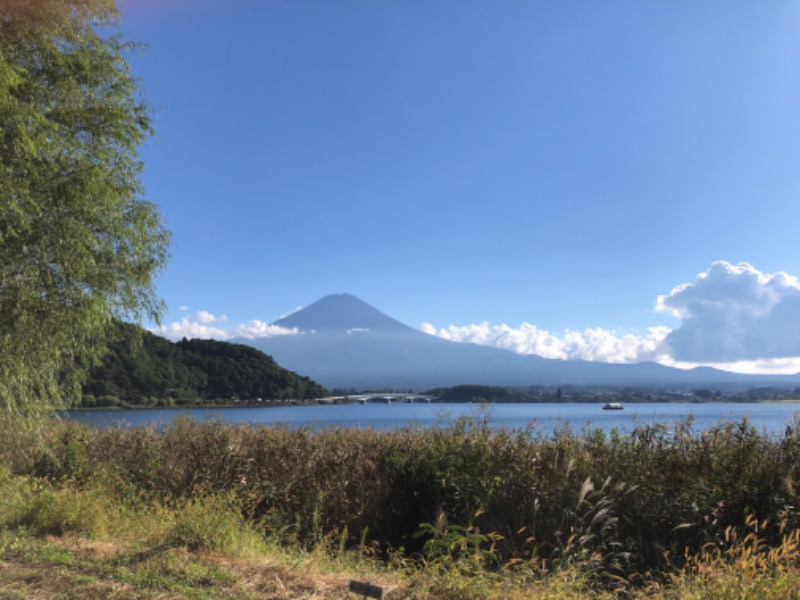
pixel 78 245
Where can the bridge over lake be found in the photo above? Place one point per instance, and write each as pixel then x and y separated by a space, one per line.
pixel 379 398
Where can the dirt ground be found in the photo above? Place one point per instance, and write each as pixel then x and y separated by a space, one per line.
pixel 64 569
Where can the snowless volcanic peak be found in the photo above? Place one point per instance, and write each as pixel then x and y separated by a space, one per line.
pixel 357 346
pixel 341 312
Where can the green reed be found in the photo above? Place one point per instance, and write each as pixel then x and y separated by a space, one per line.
pixel 619 506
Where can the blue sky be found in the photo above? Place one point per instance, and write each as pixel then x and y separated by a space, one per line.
pixel 512 173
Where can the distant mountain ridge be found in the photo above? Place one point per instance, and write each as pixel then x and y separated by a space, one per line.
pixel 346 343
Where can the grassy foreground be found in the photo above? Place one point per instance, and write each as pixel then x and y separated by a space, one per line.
pixel 204 510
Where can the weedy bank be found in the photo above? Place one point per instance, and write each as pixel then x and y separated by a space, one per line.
pixel 457 511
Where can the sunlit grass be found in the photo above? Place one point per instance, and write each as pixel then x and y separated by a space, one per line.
pixel 744 565
pixel 458 512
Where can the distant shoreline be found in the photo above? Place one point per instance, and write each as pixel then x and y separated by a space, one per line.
pixel 187 406
pixel 314 402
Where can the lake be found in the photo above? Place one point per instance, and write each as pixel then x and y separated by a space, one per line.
pixel 771 417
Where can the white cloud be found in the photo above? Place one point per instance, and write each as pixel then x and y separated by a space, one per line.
pixel 733 317
pixel 206 325
pixel 594 344
pixel 188 328
pixel 259 329
pixel 206 317
pixel 201 327
pixel 768 366
pixel 734 313
pixel 183 308
pixel 427 328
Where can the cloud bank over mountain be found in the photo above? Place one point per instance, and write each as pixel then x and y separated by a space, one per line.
pixel 731 316
pixel 595 344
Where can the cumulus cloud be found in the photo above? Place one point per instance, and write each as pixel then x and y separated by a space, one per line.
pixel 206 317
pixel 594 344
pixel 190 328
pixel 733 313
pixel 258 329
pixel 206 325
pixel 202 325
pixel 732 317
pixel 428 328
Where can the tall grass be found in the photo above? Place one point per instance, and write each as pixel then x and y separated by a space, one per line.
pixel 619 510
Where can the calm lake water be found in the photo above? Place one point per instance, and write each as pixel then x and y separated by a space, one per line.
pixel 770 417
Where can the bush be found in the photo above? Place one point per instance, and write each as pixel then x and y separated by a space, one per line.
pixel 616 504
pixel 41 508
pixel 213 523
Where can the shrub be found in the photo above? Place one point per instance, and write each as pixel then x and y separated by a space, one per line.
pixel 616 504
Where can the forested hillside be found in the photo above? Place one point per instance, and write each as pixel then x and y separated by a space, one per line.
pixel 145 369
pixel 480 393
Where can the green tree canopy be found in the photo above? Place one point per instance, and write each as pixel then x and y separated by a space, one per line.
pixel 191 371
pixel 78 245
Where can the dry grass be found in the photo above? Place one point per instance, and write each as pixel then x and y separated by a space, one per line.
pixel 94 571
pixel 741 566
pixel 75 566
pixel 39 569
pixel 210 511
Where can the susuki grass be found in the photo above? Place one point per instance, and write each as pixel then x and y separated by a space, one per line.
pixel 744 565
pixel 460 511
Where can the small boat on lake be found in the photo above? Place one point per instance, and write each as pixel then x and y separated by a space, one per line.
pixel 613 406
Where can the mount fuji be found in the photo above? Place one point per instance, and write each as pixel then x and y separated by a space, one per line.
pixel 343 342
